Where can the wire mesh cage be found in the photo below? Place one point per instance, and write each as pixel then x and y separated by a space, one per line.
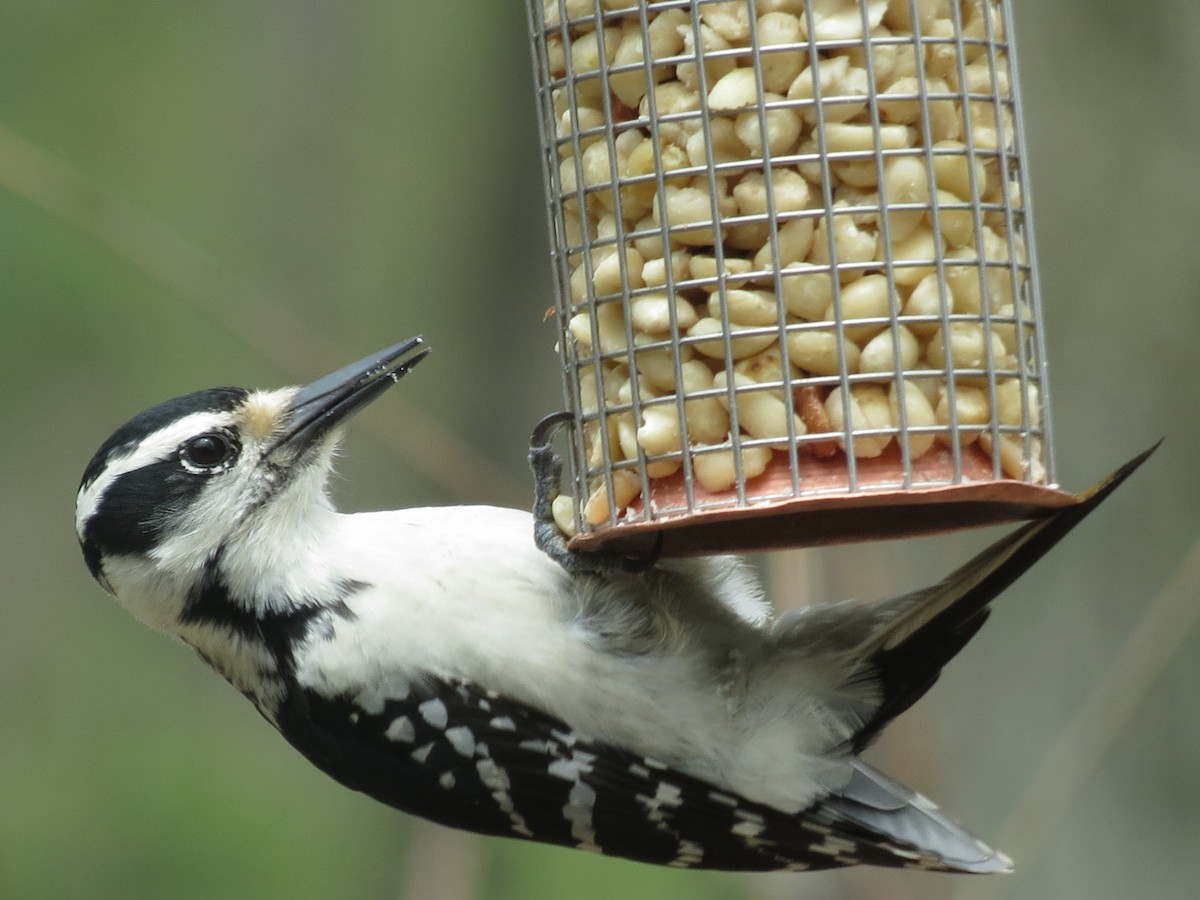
pixel 794 266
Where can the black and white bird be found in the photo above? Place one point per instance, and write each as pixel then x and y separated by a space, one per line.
pixel 441 662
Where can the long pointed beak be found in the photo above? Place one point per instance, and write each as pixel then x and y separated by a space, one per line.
pixel 328 401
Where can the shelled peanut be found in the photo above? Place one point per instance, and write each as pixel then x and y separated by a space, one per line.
pixel 721 220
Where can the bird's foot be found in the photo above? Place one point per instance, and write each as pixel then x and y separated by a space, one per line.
pixel 547 482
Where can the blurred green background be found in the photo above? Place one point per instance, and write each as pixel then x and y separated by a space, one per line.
pixel 254 193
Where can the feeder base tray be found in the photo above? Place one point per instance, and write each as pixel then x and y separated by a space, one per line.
pixel 827 513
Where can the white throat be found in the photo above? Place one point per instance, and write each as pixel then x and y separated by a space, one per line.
pixel 271 565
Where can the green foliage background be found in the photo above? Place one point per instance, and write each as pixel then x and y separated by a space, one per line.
pixel 254 193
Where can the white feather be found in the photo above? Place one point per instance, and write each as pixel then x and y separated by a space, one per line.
pixel 463 591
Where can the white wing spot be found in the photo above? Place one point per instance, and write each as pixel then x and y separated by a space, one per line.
pixel 462 739
pixel 688 855
pixel 492 775
pixel 834 846
pixel 503 723
pixel 578 811
pixel 747 830
pixel 843 845
pixel 665 795
pixel 401 729
pixel 422 753
pixel 496 780
pixel 572 769
pixel 372 700
pixel 434 712
pixel 724 799
pixel 446 780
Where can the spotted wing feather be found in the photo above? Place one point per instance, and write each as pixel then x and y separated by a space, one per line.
pixel 469 759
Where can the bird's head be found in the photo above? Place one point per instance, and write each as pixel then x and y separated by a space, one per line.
pixel 171 490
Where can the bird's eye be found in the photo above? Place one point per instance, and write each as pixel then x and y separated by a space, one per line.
pixel 208 453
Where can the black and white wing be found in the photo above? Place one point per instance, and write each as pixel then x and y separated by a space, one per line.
pixel 470 759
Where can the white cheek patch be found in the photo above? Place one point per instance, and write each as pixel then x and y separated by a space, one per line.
pixel 154 448
pixel 203 525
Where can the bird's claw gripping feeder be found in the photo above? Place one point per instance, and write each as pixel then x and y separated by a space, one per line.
pixel 796 285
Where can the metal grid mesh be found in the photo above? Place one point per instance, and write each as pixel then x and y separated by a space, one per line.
pixel 810 253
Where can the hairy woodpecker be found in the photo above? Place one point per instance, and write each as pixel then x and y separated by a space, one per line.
pixel 441 662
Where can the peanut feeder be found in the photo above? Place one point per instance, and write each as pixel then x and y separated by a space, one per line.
pixel 794 262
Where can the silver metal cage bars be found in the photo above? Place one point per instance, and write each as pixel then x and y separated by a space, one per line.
pixel 793 251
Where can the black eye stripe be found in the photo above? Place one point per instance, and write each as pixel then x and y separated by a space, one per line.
pixel 134 432
pixel 134 512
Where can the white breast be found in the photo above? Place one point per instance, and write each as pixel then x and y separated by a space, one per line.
pixel 463 591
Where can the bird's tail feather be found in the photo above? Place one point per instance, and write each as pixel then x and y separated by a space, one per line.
pixel 921 631
pixel 892 812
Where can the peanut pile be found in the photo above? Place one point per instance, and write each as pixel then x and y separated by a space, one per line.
pixel 806 204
